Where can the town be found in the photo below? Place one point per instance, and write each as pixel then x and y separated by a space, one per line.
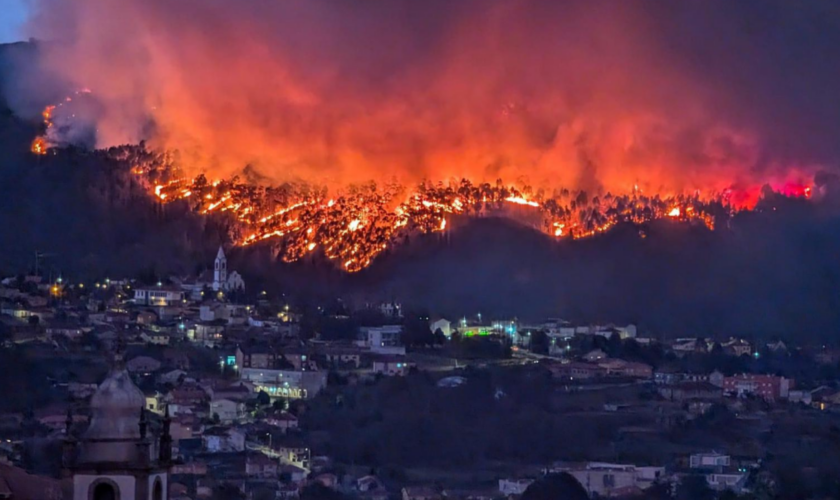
pixel 207 390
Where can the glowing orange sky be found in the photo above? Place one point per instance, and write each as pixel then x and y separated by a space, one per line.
pixel 579 94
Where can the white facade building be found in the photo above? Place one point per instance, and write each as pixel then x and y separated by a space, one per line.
pixel 382 339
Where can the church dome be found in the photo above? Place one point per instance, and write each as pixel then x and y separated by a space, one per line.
pixel 115 421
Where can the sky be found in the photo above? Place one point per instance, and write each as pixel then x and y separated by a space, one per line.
pixel 12 16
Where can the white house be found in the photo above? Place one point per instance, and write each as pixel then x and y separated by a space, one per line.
pixel 511 487
pixel 603 479
pixel 710 460
pixel 382 339
pixel 220 440
pixel 227 410
pixel 160 295
pixel 442 324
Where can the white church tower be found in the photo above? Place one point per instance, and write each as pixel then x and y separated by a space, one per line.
pixel 220 275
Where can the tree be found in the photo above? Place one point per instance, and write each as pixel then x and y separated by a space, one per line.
pixel 318 491
pixel 556 486
pixel 263 399
pixel 416 331
pixel 539 342
pixel 694 488
pixel 227 492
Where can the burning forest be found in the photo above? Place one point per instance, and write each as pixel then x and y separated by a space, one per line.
pixel 354 226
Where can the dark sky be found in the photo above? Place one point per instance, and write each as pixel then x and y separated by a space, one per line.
pixel 12 16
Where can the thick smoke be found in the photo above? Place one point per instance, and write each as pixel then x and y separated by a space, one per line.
pixel 660 94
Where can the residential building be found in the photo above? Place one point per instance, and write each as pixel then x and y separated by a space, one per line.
pixel 442 324
pixel 390 365
pixel 511 487
pixel 382 339
pixel 576 371
pixel 222 439
pixel 162 295
pixel 228 411
pixel 288 384
pixel 282 419
pixel 768 387
pixel 710 460
pixel 621 368
pixel 605 479
pixel 686 391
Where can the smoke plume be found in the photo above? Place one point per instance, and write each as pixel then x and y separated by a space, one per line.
pixel 592 95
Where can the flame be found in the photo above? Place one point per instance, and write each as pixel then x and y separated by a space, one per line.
pixel 303 219
pixel 39 146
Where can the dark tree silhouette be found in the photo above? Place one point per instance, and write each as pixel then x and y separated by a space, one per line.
pixel 555 486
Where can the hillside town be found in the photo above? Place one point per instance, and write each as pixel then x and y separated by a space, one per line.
pixel 192 388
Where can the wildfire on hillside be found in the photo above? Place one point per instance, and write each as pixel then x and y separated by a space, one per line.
pixel 354 227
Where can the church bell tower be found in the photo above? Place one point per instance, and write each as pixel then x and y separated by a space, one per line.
pixel 220 275
pixel 116 458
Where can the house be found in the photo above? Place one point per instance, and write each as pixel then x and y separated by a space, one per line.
pixel 576 371
pixel 156 337
pixel 606 479
pixel 262 466
pixel 737 347
pixel 767 387
pixel 222 439
pixel 391 309
pixel 295 474
pixel 390 365
pixel 595 356
pixel 281 419
pixel 442 324
pixel 172 377
pixel 382 339
pixel 17 484
pixel 667 376
pixel 161 295
pixel 686 391
pixel 239 392
pixel 711 460
pixel 421 493
pixel 188 394
pixel 289 384
pixel 720 481
pixel 621 368
pixel 227 411
pixel 209 333
pixel 293 451
pixel 184 426
pixel 143 365
pixel 371 488
pixel 509 487
pixel 342 357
